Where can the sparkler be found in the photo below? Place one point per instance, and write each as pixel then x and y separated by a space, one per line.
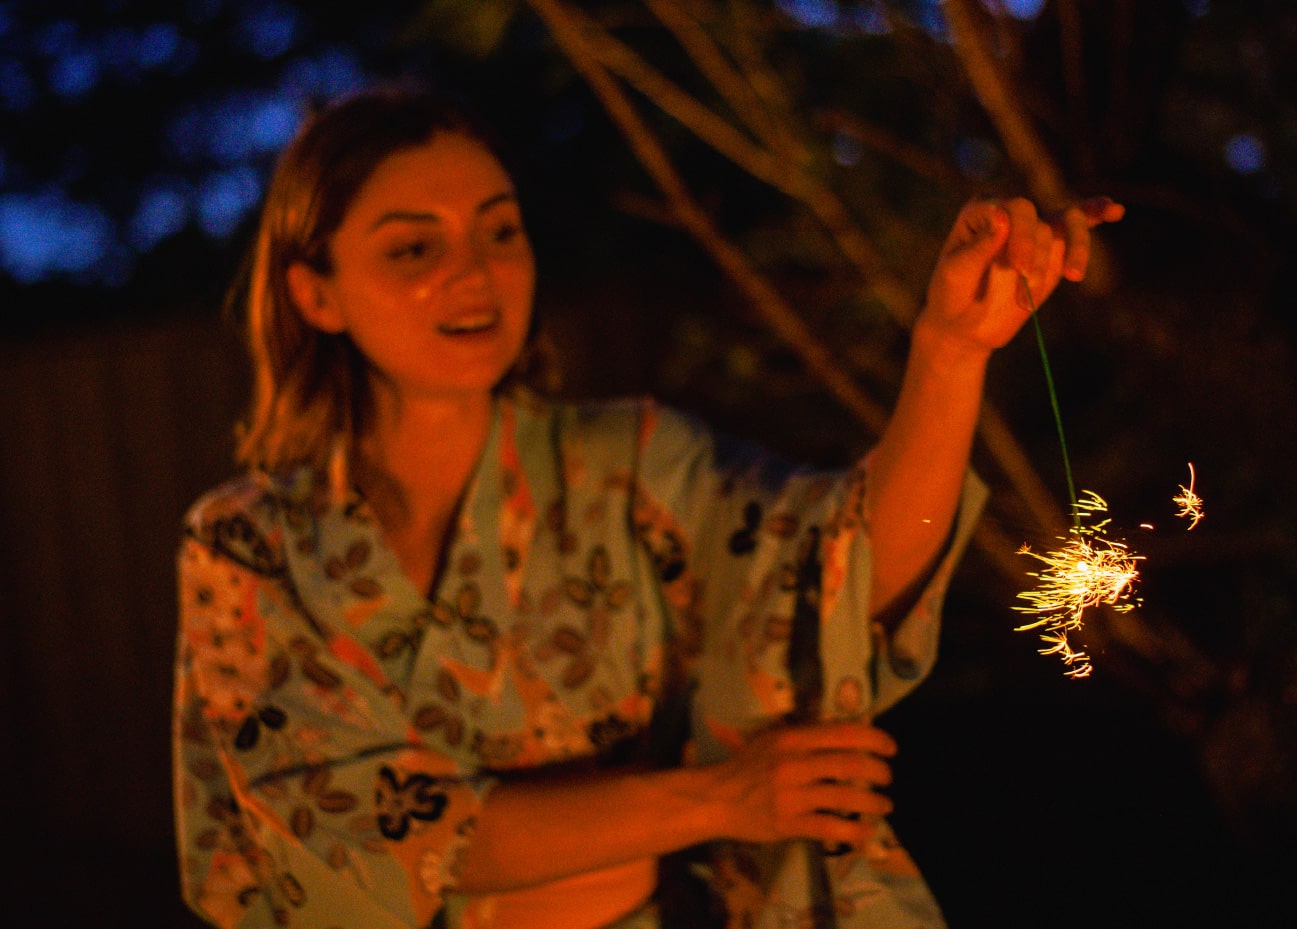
pixel 1189 502
pixel 1088 570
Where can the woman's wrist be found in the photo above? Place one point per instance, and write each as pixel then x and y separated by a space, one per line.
pixel 702 813
pixel 942 346
pixel 938 347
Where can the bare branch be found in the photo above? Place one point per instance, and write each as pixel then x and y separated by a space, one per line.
pixel 711 128
pixel 744 24
pixel 992 87
pixel 725 77
pixel 568 31
pixel 782 174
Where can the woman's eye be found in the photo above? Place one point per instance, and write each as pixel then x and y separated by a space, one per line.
pixel 416 250
pixel 507 233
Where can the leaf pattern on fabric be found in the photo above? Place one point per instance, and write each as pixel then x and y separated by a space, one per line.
pixel 349 568
pixel 463 609
pixel 602 599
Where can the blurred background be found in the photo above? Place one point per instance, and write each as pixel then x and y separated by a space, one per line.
pixel 821 149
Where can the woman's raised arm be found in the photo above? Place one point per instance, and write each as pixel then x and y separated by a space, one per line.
pixel 1000 261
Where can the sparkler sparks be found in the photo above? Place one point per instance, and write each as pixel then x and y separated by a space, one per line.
pixel 1090 569
pixel 1190 503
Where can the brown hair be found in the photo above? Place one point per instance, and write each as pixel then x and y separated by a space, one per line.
pixel 310 387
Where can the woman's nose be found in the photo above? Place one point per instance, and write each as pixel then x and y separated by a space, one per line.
pixel 470 264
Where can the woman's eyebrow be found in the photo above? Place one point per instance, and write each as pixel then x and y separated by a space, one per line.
pixel 506 196
pixel 406 216
pixel 421 216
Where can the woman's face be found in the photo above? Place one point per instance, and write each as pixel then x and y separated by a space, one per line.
pixel 433 273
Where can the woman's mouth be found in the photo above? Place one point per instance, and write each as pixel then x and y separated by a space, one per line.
pixel 470 323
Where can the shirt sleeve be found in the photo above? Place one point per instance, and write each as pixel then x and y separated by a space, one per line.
pixel 305 796
pixel 744 544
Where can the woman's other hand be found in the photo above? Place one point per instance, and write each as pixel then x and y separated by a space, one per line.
pixel 806 782
pixel 977 293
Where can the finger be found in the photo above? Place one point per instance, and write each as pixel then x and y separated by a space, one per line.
pixel 1034 284
pixel 1021 246
pixel 833 830
pixel 1057 256
pixel 1042 256
pixel 835 735
pixel 843 799
pixel 1076 225
pixel 854 767
pixel 868 826
pixel 1004 288
pixel 1102 210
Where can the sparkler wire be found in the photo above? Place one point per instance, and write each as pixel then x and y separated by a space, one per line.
pixel 1089 569
pixel 1053 403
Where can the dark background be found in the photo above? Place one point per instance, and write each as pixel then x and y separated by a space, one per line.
pixel 134 138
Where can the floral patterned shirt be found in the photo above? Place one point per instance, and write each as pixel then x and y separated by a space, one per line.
pixel 338 729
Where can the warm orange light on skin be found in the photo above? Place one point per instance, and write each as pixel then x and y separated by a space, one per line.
pixel 1088 570
pixel 1189 502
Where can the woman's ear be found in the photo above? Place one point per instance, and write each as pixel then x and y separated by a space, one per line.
pixel 313 298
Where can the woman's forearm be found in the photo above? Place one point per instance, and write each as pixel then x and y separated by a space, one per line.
pixel 917 469
pixel 533 832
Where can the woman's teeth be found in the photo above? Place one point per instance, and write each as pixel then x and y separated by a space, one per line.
pixel 476 322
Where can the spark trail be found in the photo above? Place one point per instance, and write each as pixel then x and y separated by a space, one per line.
pixel 1088 570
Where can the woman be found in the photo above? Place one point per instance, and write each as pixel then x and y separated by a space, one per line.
pixel 432 642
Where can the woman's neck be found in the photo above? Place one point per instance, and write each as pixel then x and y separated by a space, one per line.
pixel 413 467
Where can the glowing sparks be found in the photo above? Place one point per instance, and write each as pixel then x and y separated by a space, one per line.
pixel 1190 503
pixel 1085 572
pixel 1089 570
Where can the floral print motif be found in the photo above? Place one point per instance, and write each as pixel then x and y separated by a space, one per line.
pixel 601 598
pixel 401 802
pixel 250 732
pixel 433 716
pixel 407 639
pixel 348 566
pixel 464 610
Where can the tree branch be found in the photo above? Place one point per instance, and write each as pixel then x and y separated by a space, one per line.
pixel 991 85
pixel 567 29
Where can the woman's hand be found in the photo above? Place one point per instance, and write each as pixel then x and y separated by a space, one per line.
pixel 977 293
pixel 806 782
